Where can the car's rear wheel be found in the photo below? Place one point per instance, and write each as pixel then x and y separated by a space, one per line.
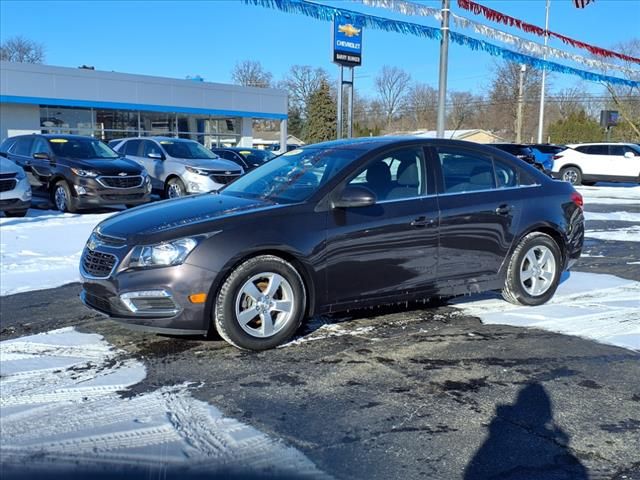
pixel 261 304
pixel 573 175
pixel 534 271
pixel 62 198
pixel 16 213
pixel 175 188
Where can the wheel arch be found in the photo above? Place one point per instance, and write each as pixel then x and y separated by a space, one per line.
pixel 53 182
pixel 569 165
pixel 553 231
pixel 290 257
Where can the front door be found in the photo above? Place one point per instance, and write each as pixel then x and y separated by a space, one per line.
pixel 388 249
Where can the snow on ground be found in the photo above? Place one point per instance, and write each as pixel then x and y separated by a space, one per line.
pixel 599 307
pixel 612 216
pixel 42 250
pixel 61 403
pixel 629 234
pixel 611 193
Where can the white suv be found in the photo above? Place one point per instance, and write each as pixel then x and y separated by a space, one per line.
pixel 177 166
pixel 588 163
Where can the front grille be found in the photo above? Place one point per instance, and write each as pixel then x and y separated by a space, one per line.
pixel 8 175
pixel 7 184
pixel 123 197
pixel 223 178
pixel 98 264
pixel 133 181
pixel 97 302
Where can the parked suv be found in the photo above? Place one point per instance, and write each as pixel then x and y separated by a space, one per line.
pixel 178 166
pixel 523 152
pixel 78 172
pixel 15 191
pixel 588 163
pixel 544 153
pixel 247 158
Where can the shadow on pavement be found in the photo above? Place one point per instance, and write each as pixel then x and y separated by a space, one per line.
pixel 524 443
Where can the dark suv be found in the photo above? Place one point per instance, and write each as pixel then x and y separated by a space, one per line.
pixel 247 158
pixel 523 152
pixel 78 172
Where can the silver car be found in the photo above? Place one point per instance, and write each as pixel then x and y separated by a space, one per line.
pixel 177 166
pixel 15 191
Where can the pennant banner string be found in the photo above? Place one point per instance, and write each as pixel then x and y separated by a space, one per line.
pixel 523 45
pixel 499 17
pixel 328 13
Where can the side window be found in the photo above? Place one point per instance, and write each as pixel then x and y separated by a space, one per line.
pixel 132 147
pixel 22 146
pixel 394 176
pixel 465 170
pixel 583 149
pixel 616 150
pixel 39 146
pixel 151 147
pixel 628 149
pixel 506 176
pixel 598 150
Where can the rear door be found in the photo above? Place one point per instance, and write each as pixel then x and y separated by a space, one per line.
pixel 595 161
pixel 156 167
pixel 480 203
pixel 20 153
pixel 390 249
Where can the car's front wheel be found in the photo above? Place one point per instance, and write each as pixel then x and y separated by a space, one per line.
pixel 534 271
pixel 261 304
pixel 62 197
pixel 175 189
pixel 573 175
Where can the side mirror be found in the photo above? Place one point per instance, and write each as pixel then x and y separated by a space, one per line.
pixel 156 156
pixel 629 155
pixel 41 156
pixel 355 196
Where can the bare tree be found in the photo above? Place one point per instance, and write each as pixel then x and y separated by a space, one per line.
pixel 251 74
pixel 422 103
pixel 301 82
pixel 20 49
pixel 464 110
pixel 392 84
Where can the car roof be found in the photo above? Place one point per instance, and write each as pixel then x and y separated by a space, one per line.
pixel 573 145
pixel 371 143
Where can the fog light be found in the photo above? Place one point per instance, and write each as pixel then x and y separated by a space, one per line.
pixel 195 187
pixel 150 302
pixel 80 190
pixel 198 298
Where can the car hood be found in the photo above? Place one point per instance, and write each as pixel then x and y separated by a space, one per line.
pixel 104 166
pixel 7 166
pixel 210 164
pixel 176 218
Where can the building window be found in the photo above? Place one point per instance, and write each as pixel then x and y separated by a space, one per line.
pixel 77 121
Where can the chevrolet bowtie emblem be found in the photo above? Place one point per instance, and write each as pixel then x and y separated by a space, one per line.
pixel 349 30
pixel 122 174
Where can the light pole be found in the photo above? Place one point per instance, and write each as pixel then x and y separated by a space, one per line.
pixel 444 57
pixel 523 69
pixel 544 75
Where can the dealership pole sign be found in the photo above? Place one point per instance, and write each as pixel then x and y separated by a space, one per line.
pixel 347 42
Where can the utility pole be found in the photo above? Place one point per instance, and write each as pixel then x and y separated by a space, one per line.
pixel 523 69
pixel 340 111
pixel 444 60
pixel 544 75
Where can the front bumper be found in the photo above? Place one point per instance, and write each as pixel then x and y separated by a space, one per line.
pixel 88 192
pixel 195 183
pixel 178 283
pixel 14 205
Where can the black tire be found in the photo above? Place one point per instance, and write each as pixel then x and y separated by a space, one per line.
pixel 514 290
pixel 231 295
pixel 16 213
pixel 588 184
pixel 174 184
pixel 573 175
pixel 69 205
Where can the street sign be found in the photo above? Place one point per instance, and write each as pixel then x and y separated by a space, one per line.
pixel 608 118
pixel 347 42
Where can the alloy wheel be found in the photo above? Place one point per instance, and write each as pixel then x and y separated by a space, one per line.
pixel 570 176
pixel 537 270
pixel 60 198
pixel 264 304
pixel 174 191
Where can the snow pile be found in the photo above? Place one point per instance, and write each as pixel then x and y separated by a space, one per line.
pixel 598 307
pixel 42 250
pixel 611 194
pixel 60 404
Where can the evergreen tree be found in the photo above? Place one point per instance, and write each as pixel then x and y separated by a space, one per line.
pixel 321 115
pixel 295 122
pixel 576 128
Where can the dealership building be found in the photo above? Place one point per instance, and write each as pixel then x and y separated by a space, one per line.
pixel 108 105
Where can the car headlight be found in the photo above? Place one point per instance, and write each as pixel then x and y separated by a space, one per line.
pixel 163 254
pixel 197 171
pixel 84 173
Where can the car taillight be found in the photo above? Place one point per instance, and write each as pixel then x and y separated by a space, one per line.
pixel 557 157
pixel 577 199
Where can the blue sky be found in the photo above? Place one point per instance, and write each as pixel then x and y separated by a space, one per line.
pixel 176 38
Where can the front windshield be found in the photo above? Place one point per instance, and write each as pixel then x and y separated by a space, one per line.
pixel 182 149
pixel 256 157
pixel 293 176
pixel 82 148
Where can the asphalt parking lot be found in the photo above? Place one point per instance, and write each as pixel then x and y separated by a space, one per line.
pixel 418 391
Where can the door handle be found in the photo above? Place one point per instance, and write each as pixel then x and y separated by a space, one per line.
pixel 504 209
pixel 422 222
